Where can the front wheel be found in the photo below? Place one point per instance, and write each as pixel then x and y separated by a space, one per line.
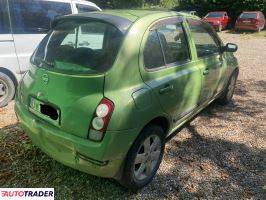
pixel 229 91
pixel 144 158
pixel 7 89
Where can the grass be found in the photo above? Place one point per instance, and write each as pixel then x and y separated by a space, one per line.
pixel 24 165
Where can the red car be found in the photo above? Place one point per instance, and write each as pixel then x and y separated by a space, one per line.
pixel 254 21
pixel 218 20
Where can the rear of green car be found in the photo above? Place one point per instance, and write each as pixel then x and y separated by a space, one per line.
pixel 89 101
pixel 61 102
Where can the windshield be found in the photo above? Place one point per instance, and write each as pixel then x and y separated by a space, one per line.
pixel 248 16
pixel 215 15
pixel 79 47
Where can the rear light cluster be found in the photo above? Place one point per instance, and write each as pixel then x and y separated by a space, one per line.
pixel 100 120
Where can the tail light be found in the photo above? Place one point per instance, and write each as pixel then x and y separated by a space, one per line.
pixel 100 120
pixel 257 21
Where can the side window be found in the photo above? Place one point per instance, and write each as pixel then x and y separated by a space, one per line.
pixel 4 19
pixel 29 17
pixel 204 38
pixel 174 43
pixel 153 56
pixel 85 8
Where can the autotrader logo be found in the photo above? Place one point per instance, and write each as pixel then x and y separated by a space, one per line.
pixel 27 193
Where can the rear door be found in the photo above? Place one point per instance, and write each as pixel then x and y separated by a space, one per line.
pixel 168 68
pixel 30 22
pixel 210 60
pixel 8 58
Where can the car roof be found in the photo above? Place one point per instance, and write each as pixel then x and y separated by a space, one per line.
pixel 218 12
pixel 251 11
pixel 123 19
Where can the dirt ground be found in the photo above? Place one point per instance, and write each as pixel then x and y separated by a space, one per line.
pixel 221 154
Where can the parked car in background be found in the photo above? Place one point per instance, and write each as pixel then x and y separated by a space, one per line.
pixel 107 108
pixel 250 20
pixel 219 20
pixel 23 24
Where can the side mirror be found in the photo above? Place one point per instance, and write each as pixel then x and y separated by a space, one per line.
pixel 230 47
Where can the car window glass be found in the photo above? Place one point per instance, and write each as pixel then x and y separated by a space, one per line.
pixel 4 19
pixel 248 16
pixel 174 43
pixel 85 8
pixel 90 35
pixel 204 38
pixel 35 16
pixel 68 48
pixel 214 15
pixel 153 56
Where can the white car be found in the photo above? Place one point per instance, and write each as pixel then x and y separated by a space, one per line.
pixel 23 24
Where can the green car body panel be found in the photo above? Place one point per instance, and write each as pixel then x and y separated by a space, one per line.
pixel 135 92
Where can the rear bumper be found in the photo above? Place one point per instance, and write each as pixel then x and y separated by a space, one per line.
pixel 247 27
pixel 101 159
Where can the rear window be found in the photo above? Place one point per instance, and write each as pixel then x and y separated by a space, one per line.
pixel 215 15
pixel 79 47
pixel 248 16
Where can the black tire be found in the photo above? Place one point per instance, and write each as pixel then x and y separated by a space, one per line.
pixel 129 178
pixel 228 93
pixel 7 89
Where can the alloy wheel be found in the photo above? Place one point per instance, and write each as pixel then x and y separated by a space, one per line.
pixel 231 87
pixel 147 157
pixel 3 90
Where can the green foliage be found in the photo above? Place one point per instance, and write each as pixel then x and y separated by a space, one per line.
pixel 234 8
pixel 118 4
pixel 169 3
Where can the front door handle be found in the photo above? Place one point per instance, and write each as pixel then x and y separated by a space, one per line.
pixel 206 72
pixel 167 88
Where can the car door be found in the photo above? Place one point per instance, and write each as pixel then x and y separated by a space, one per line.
pixel 167 68
pixel 8 58
pixel 210 59
pixel 30 23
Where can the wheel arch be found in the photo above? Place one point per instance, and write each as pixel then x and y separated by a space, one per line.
pixel 9 74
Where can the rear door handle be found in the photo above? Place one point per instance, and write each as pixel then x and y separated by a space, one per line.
pixel 167 88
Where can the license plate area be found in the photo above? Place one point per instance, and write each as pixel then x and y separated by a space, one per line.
pixel 246 21
pixel 46 111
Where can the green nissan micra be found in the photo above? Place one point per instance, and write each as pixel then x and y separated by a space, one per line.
pixel 105 89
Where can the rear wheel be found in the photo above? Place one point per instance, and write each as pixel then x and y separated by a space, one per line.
pixel 229 91
pixel 7 89
pixel 144 158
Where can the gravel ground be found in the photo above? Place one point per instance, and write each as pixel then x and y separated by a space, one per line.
pixel 221 154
